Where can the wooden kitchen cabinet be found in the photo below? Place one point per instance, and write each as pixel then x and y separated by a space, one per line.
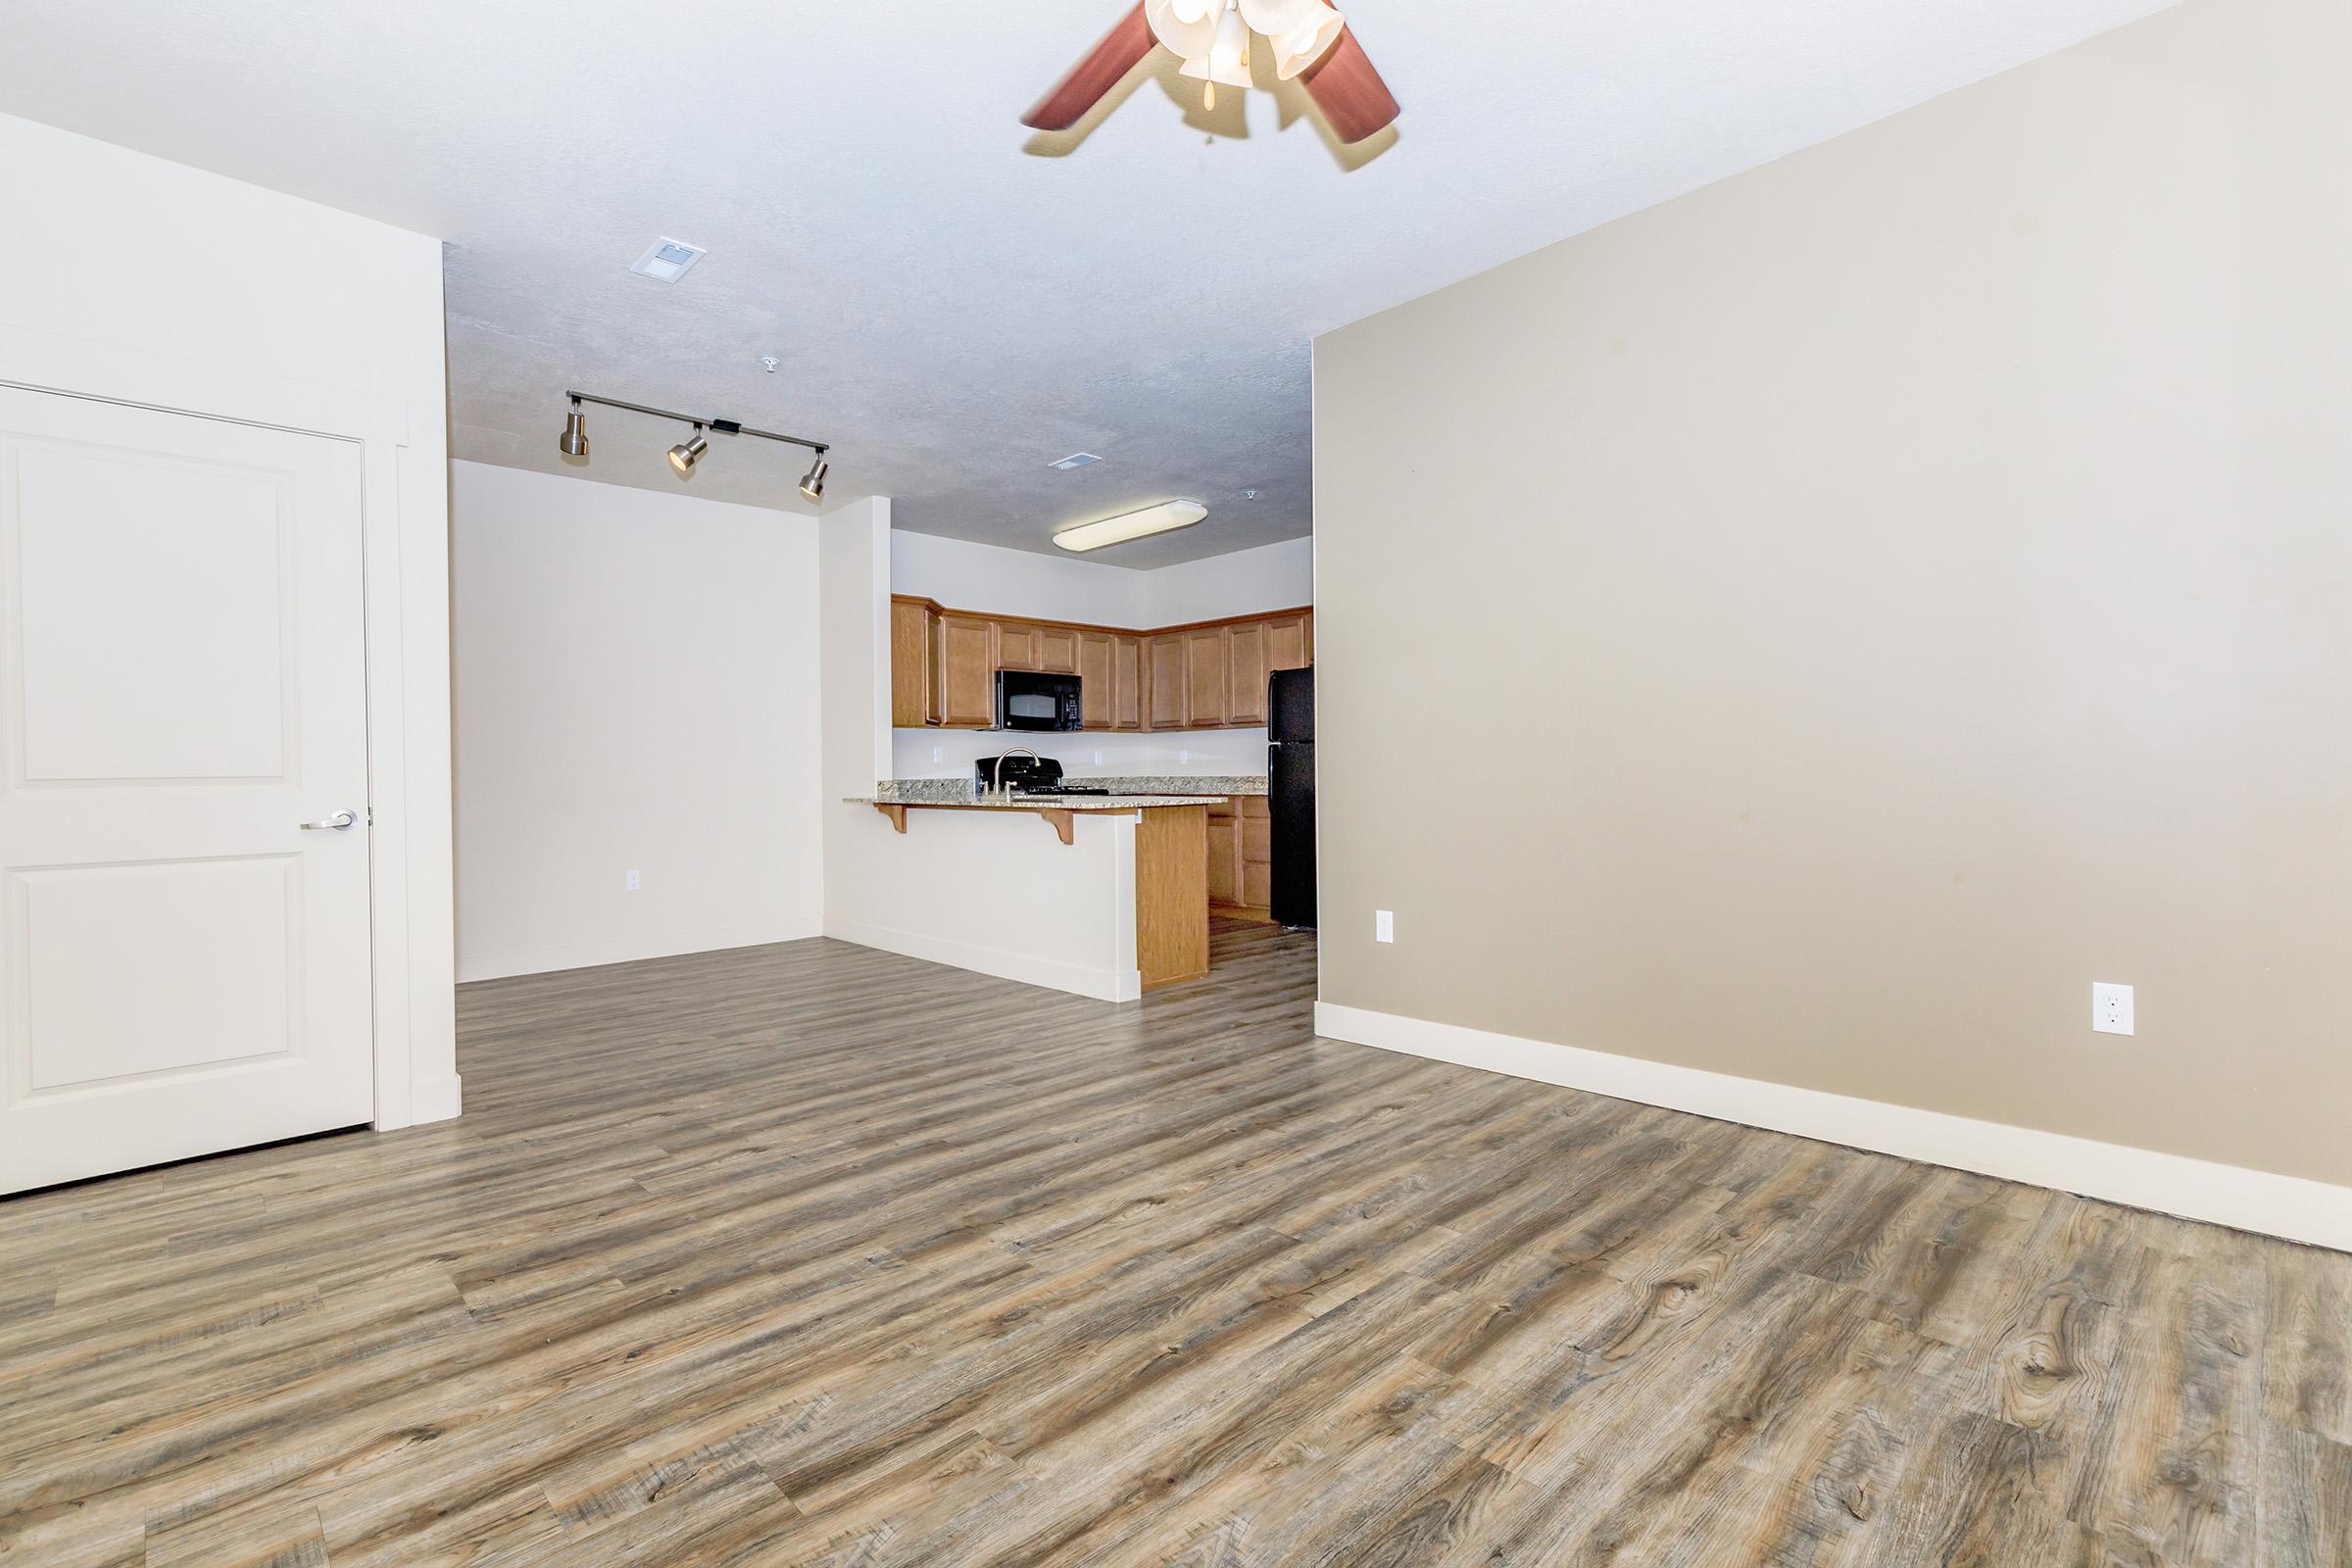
pixel 1110 677
pixel 1224 855
pixel 1246 675
pixel 1290 641
pixel 1055 650
pixel 1256 821
pixel 1164 682
pixel 1016 645
pixel 1207 675
pixel 1096 652
pixel 967 672
pixel 1127 683
pixel 913 664
pixel 1241 859
pixel 1208 682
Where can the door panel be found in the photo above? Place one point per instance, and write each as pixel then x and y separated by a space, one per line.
pixel 1166 684
pixel 1057 650
pixel 1206 679
pixel 912 700
pixel 1016 646
pixel 1290 643
pixel 182 683
pixel 1096 654
pixel 968 674
pixel 1246 686
pixel 1127 683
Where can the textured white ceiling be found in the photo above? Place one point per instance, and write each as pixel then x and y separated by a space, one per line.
pixel 955 302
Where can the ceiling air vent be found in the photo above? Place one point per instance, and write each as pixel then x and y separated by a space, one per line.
pixel 669 259
pixel 1076 459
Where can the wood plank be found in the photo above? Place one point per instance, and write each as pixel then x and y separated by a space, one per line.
pixel 817 1254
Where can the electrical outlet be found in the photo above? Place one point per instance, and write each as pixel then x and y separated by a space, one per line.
pixel 1183 758
pixel 632 881
pixel 1098 758
pixel 1383 925
pixel 2110 1008
pixel 939 754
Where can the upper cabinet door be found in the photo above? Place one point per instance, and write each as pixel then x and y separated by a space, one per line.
pixel 1098 651
pixel 1246 678
pixel 1055 649
pixel 1166 682
pixel 1290 641
pixel 1127 683
pixel 1016 646
pixel 1208 682
pixel 912 704
pixel 967 672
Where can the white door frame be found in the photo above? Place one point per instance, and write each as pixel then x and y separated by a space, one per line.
pixel 44 362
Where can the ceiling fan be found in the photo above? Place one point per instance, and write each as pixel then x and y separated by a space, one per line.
pixel 1309 40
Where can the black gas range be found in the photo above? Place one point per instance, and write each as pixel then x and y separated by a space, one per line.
pixel 1030 775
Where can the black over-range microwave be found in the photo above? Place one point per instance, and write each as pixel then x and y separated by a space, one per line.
pixel 1027 701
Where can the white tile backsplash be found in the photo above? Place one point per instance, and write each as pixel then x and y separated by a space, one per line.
pixel 1204 750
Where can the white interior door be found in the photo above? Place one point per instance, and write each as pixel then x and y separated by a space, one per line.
pixel 183 966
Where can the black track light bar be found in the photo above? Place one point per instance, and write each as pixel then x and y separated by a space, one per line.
pixel 722 427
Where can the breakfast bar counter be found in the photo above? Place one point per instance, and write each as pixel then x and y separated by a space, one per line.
pixel 1114 903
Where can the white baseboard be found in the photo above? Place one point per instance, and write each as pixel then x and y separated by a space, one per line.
pixel 1103 984
pixel 500 964
pixel 436 1100
pixel 2289 1206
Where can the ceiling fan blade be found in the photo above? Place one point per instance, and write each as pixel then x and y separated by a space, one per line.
pixel 1353 99
pixel 1099 71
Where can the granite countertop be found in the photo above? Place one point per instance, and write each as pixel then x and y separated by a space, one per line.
pixel 1046 802
pixel 1217 784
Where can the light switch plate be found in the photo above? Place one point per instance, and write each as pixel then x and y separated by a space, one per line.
pixel 1383 925
pixel 2110 1008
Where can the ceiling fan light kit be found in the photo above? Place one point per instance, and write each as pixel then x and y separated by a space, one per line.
pixel 1307 41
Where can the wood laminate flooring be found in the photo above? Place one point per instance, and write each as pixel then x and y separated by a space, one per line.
pixel 816 1255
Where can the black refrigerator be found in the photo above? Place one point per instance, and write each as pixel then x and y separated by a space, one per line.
pixel 1290 793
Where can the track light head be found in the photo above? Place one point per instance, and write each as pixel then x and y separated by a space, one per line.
pixel 686 454
pixel 575 442
pixel 812 483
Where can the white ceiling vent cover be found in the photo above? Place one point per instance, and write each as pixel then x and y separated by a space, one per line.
pixel 669 259
pixel 1076 459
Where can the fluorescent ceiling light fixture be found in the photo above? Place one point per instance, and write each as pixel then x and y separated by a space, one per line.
pixel 1167 516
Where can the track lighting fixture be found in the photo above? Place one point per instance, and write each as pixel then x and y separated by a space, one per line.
pixel 575 433
pixel 686 454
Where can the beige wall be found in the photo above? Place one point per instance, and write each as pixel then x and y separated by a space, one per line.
pixel 1919 574
pixel 637 690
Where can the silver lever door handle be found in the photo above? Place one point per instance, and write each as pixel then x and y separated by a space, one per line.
pixel 340 822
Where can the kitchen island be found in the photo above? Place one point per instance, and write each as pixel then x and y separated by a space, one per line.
pixel 1111 902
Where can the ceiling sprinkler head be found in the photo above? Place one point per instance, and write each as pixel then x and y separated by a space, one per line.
pixel 768 362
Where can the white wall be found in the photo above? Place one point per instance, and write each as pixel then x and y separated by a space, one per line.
pixel 1020 582
pixel 1270 578
pixel 637 688
pixel 1016 582
pixel 129 276
pixel 996 892
pixel 951 753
